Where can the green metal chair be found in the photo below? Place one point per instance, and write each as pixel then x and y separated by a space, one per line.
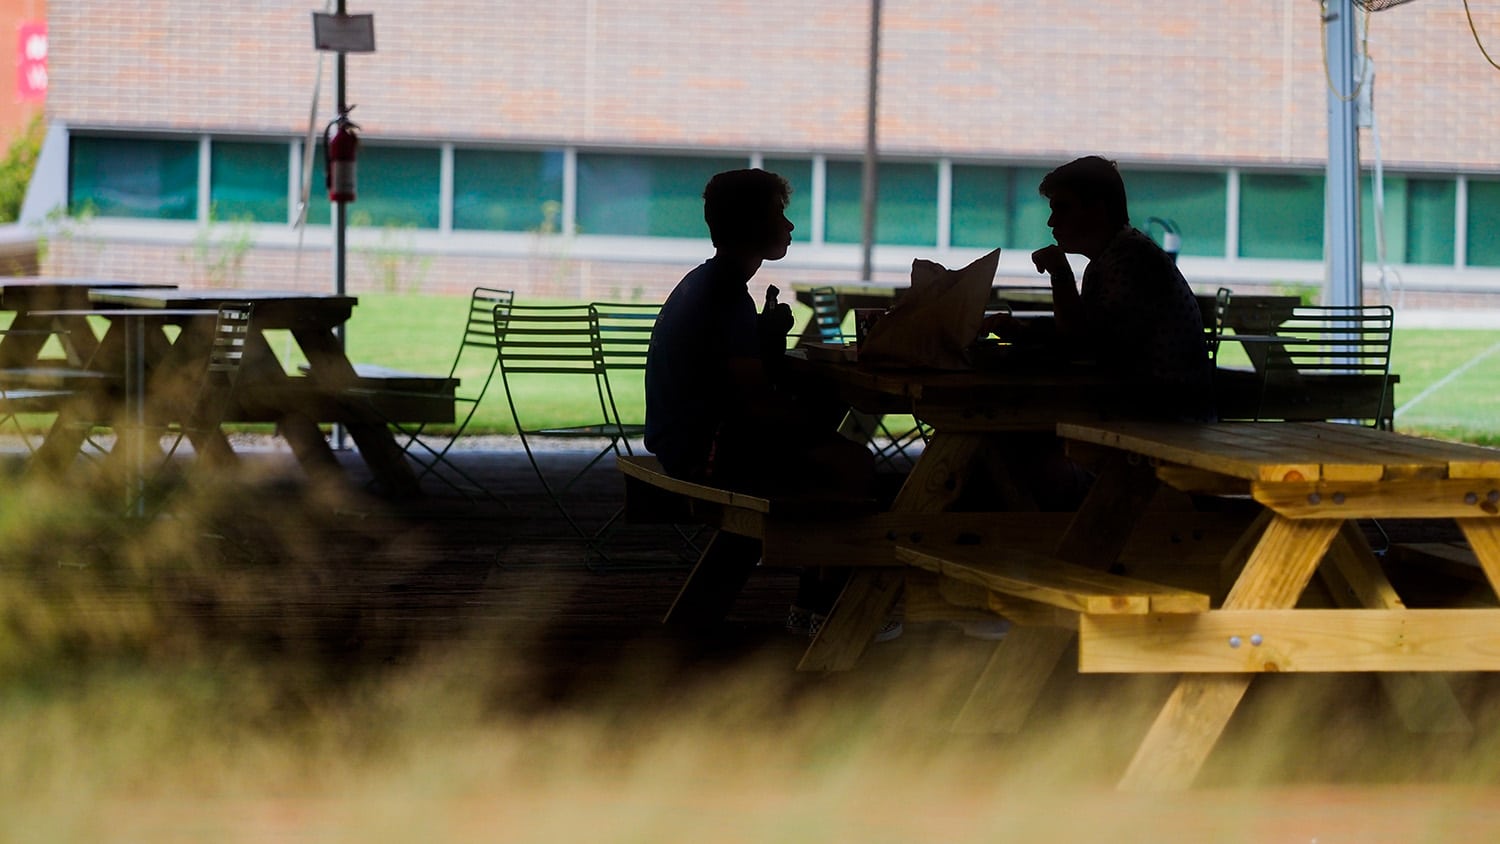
pixel 541 347
pixel 828 316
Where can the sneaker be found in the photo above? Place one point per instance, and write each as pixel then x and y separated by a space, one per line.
pixel 989 631
pixel 809 623
pixel 892 629
pixel 800 621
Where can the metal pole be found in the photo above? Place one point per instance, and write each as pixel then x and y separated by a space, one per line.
pixel 870 181
pixel 1345 284
pixel 340 219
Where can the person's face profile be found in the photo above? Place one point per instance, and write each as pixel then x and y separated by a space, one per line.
pixel 1072 220
pixel 778 233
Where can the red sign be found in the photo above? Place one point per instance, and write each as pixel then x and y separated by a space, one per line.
pixel 31 62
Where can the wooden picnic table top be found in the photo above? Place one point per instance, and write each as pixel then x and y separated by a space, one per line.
pixel 1294 451
pixel 273 308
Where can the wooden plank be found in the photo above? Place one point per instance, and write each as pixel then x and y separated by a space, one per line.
pixel 1048 580
pixel 1424 702
pixel 1115 502
pixel 1294 451
pixel 863 606
pixel 1292 640
pixel 1223 449
pixel 937 479
pixel 1418 499
pixel 1194 716
pixel 1012 680
pixel 1484 539
pixel 648 470
pixel 715 581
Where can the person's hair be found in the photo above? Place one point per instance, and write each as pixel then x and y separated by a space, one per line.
pixel 736 203
pixel 1091 179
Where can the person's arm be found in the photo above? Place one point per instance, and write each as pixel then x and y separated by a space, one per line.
pixel 1067 307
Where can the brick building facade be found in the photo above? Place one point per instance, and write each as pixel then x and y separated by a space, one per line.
pixel 1232 92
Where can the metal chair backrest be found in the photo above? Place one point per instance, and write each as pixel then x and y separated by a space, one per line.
pixel 827 315
pixel 231 328
pixel 479 329
pixel 1215 329
pixel 1301 350
pixel 624 333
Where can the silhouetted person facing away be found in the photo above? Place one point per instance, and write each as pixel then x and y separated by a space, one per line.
pixel 1134 312
pixel 713 410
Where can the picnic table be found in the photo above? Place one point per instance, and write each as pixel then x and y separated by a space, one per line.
pixel 28 296
pixel 266 390
pixel 1314 480
pixel 1033 299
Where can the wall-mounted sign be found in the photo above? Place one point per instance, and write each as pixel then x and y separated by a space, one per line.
pixel 344 33
pixel 31 62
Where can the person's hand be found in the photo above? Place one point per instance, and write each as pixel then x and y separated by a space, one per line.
pixel 777 322
pixel 1001 325
pixel 1053 261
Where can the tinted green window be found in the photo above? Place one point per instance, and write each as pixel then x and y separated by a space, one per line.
pixel 983 212
pixel 507 191
pixel 1395 216
pixel 1431 205
pixel 1195 202
pixel 134 177
pixel 905 204
pixel 1281 216
pixel 1032 210
pixel 397 186
pixel 642 195
pixel 248 181
pixel 798 174
pixel 998 206
pixel 1484 223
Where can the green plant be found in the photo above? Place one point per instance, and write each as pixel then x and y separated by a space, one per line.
pixel 17 167
pixel 218 255
pixel 394 261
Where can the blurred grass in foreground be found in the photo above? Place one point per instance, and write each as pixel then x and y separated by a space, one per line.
pixel 242 670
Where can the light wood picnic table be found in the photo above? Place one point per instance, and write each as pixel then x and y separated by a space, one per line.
pixel 1314 480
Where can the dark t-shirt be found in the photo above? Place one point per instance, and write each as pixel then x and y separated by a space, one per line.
pixel 708 320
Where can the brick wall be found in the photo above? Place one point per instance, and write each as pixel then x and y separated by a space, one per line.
pixel 1211 81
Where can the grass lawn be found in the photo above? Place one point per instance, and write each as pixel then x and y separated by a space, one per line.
pixel 1450 379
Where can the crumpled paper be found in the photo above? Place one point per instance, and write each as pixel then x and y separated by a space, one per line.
pixel 934 325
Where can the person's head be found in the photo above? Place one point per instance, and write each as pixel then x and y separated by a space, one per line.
pixel 1087 197
pixel 745 212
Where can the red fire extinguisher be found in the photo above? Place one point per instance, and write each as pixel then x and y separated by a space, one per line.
pixel 339 150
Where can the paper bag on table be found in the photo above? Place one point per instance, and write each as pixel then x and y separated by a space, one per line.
pixel 936 322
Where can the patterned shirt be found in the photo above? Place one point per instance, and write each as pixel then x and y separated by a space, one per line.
pixel 1143 324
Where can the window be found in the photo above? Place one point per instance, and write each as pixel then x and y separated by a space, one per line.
pixel 1431 208
pixel 798 174
pixel 1418 220
pixel 646 195
pixel 998 206
pixel 1483 223
pixel 248 181
pixel 133 177
pixel 1194 201
pixel 504 190
pixel 1281 216
pixel 398 187
pixel 905 208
